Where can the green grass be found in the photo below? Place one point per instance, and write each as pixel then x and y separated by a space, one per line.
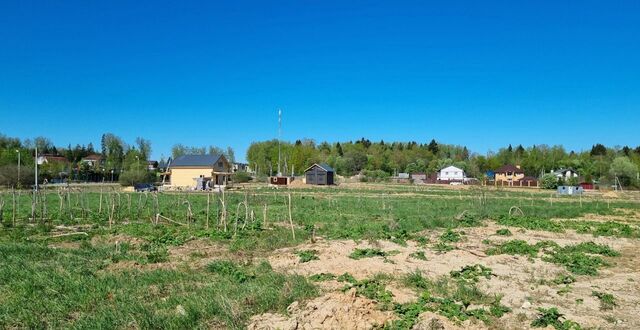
pixel 518 247
pixel 410 210
pixel 449 297
pixel 374 288
pixel 579 259
pixel 322 277
pixel 367 253
pixel 472 273
pixel 552 317
pixel 450 236
pixel 43 287
pixel 442 247
pixel 348 278
pixel 503 232
pixel 418 255
pixel 307 255
pixel 607 300
pixel 564 279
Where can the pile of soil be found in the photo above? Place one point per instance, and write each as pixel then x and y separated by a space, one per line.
pixel 335 310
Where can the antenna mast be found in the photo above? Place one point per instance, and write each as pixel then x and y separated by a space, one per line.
pixel 279 138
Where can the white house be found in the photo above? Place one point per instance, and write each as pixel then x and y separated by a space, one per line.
pixel 565 173
pixel 451 173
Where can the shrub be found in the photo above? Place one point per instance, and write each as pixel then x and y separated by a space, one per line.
pixel 241 177
pixel 132 177
pixel 549 181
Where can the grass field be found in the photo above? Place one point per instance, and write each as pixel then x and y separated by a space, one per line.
pixel 255 257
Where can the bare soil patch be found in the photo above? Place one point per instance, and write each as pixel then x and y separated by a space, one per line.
pixel 525 283
pixel 335 310
pixel 117 239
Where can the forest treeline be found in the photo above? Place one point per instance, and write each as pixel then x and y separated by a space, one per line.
pixel 383 159
pixel 119 160
pixel 376 160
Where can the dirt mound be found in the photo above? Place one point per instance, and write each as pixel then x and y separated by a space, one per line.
pixel 610 194
pixel 298 183
pixel 199 253
pixel 335 310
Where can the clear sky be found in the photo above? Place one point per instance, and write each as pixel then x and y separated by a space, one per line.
pixel 477 73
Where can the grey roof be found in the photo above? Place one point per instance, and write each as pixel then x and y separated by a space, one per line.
pixel 323 166
pixel 326 167
pixel 195 160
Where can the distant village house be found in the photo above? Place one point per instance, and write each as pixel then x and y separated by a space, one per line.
pixel 451 174
pixel 199 171
pixel 565 174
pixel 319 174
pixel 94 160
pixel 48 159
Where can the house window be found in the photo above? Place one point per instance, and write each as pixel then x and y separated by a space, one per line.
pixel 219 164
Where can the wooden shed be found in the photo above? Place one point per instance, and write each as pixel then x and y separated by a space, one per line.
pixel 319 174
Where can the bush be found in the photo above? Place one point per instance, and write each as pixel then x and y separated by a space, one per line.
pixel 374 176
pixel 240 177
pixel 132 177
pixel 9 176
pixel 549 181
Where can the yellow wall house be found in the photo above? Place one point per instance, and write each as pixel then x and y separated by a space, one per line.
pixel 509 174
pixel 200 171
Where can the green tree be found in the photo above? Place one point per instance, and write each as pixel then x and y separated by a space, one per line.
pixel 624 169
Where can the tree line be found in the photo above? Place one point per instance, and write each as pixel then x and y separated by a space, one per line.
pixel 379 160
pixel 120 161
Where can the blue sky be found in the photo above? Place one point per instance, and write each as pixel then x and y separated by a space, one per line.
pixel 478 73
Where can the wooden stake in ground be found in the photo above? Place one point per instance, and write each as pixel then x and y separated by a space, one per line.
pixel 189 213
pixel 293 232
pixel 34 204
pixel 100 207
pixel 208 204
pixel 1 208
pixel 223 213
pixel 13 207
pixel 264 215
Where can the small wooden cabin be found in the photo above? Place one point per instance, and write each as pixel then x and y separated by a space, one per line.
pixel 320 174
